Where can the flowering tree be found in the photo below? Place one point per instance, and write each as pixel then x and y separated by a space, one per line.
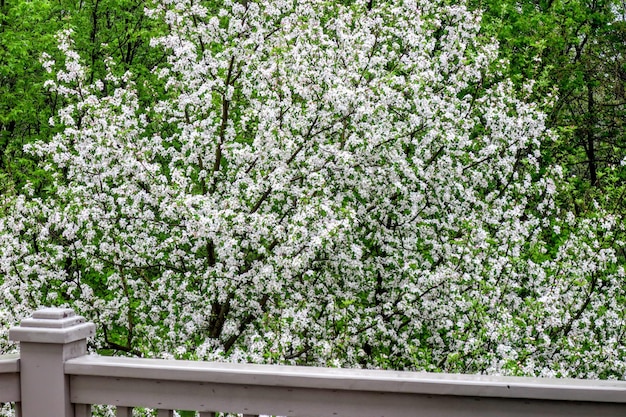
pixel 314 182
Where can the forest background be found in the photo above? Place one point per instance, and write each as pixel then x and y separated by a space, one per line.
pixel 473 296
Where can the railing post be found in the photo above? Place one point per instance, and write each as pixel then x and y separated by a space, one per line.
pixel 47 340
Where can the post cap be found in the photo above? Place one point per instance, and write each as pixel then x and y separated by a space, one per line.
pixel 52 325
pixel 53 313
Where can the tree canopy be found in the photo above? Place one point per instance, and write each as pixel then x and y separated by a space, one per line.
pixel 341 183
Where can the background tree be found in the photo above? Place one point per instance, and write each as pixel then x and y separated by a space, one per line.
pixel 26 31
pixel 576 49
pixel 115 28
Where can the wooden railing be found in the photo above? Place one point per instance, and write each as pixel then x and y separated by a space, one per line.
pixel 54 377
pixel 10 379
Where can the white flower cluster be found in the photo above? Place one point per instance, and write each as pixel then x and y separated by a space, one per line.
pixel 316 183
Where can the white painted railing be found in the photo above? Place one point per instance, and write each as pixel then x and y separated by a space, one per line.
pixel 9 379
pixel 56 378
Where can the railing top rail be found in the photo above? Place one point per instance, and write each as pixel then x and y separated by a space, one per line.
pixel 9 364
pixel 350 379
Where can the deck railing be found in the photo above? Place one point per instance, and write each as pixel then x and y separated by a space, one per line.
pixel 54 377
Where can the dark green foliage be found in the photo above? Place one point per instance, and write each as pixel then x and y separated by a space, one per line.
pixel 102 28
pixel 576 49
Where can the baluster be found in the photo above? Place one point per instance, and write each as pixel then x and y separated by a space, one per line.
pixel 82 410
pixel 124 412
pixel 165 413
